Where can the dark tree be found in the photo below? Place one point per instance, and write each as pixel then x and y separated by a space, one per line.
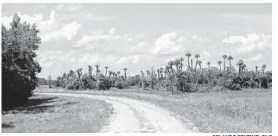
pixel 19 68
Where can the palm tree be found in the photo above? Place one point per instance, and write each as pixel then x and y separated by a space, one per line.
pixel 142 73
pixel 239 63
pixel 256 67
pixel 125 69
pixel 219 63
pixel 90 69
pixel 110 73
pixel 263 67
pixel 191 63
pixel 197 57
pixel 177 63
pixel 243 67
pixel 230 58
pixel 171 63
pixel 106 67
pixel 181 64
pixel 97 66
pixel 118 73
pixel 79 72
pixel 224 57
pixel 188 56
pixel 165 71
pixel 208 63
pixel 161 72
pixel 148 73
pixel 158 71
pixel 200 64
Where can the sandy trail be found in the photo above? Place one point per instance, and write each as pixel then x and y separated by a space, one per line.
pixel 134 116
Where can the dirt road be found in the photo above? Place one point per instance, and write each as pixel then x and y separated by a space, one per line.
pixel 134 116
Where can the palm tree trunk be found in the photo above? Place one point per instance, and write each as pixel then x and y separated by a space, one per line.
pixel 230 70
pixel 224 64
pixel 196 64
pixel 239 70
pixel 188 62
pixel 105 72
pixel 192 63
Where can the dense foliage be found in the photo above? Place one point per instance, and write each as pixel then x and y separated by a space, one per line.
pixel 18 65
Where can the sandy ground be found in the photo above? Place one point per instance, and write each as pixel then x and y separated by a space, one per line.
pixel 131 116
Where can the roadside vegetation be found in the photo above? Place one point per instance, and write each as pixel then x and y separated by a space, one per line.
pixel 175 77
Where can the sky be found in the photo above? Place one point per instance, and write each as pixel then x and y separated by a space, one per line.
pixel 142 36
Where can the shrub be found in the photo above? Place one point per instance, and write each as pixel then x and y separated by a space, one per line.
pixel 121 84
pixel 102 83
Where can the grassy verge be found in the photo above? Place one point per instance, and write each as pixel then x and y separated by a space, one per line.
pixel 57 114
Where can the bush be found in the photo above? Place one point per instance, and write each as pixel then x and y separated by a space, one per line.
pixel 121 84
pixel 102 83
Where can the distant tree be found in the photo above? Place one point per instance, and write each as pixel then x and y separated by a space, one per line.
pixel 197 56
pixel 219 63
pixel 263 67
pixel 224 58
pixel 161 72
pixel 125 69
pixel 208 63
pixel 171 63
pixel 230 58
pixel 240 63
pixel 200 64
pixel 142 73
pixel 256 67
pixel 177 63
pixel 158 73
pixel 90 70
pixel 97 71
pixel 181 62
pixel 188 57
pixel 79 73
pixel 106 67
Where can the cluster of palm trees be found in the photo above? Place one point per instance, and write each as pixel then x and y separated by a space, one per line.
pixel 178 64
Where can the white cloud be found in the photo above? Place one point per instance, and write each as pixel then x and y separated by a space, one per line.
pixel 205 53
pixel 167 43
pixel 199 38
pixel 251 42
pixel 133 59
pixel 49 28
pixel 112 30
pixel 90 59
pixel 255 58
pixel 74 7
pixel 68 31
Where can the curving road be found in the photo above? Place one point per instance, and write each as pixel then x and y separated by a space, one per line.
pixel 134 116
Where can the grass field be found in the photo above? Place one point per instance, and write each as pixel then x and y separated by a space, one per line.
pixel 57 114
pixel 223 112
